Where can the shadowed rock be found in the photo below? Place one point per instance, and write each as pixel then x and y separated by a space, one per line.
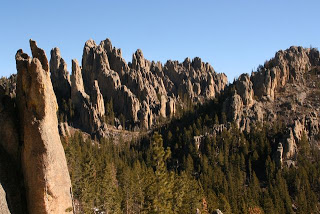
pixel 59 76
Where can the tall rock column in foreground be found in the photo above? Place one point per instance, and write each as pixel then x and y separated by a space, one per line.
pixel 47 180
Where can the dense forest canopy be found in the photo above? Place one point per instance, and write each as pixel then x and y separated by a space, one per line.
pixel 168 173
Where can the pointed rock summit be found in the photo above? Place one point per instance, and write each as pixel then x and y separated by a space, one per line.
pixel 47 180
pixel 59 76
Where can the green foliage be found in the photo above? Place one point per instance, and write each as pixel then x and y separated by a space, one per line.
pixel 116 179
pixel 230 170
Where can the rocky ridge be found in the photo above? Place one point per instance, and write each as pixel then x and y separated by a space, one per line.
pixel 142 91
pixel 284 90
pixel 30 143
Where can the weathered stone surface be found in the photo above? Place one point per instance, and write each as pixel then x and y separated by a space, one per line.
pixel 90 112
pixel 59 76
pixel 283 93
pixel 286 65
pixel 47 180
pixel 117 63
pixel 97 100
pixel 144 81
pixel 77 88
pixel 290 146
pixel 244 89
pixel 146 119
pixel 3 202
pixel 233 106
pixel 171 107
pixel 127 103
pixel 163 106
pixel 162 88
pixel 138 61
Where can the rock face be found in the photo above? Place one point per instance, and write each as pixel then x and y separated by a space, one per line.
pixel 59 76
pixel 3 202
pixel 284 89
pixel 90 110
pixel 288 65
pixel 142 91
pixel 48 186
pixel 244 88
pixel 97 99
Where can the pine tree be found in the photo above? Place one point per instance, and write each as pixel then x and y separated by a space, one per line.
pixel 161 187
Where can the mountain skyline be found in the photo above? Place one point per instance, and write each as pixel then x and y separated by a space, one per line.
pixel 219 33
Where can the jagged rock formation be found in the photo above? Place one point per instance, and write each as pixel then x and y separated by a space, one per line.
pixel 48 186
pixel 90 109
pixel 59 76
pixel 142 92
pixel 284 89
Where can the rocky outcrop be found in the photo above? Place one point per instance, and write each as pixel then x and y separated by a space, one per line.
pixel 97 100
pixel 235 107
pixel 146 119
pixel 60 76
pixel 47 180
pixel 171 107
pixel 281 90
pixel 163 106
pixel 89 110
pixel 290 146
pixel 195 78
pixel 244 89
pixel 77 89
pixel 143 87
pixel 288 65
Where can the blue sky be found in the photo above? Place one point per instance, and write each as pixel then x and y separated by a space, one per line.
pixel 233 36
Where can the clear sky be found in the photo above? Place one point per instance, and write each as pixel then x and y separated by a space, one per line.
pixel 233 36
